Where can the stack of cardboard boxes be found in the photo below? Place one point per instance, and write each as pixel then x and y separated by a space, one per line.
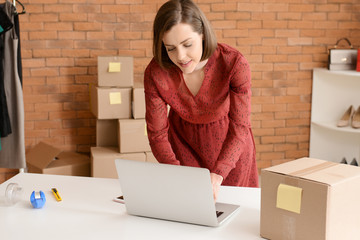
pixel 119 107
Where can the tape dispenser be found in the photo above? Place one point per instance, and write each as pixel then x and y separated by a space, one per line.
pixel 13 193
pixel 37 199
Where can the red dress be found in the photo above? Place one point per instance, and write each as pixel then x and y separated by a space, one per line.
pixel 210 130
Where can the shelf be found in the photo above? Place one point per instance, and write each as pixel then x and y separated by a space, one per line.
pixel 332 94
pixel 341 73
pixel 332 126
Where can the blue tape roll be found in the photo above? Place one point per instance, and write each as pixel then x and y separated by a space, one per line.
pixel 37 202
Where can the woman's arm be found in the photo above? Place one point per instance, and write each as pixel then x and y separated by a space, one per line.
pixel 239 119
pixel 157 122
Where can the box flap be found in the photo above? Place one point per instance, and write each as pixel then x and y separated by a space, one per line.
pixel 69 158
pixel 317 170
pixel 42 155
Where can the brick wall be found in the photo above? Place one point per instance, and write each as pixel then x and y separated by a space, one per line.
pixel 282 39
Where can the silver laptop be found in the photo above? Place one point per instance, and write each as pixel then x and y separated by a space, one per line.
pixel 170 192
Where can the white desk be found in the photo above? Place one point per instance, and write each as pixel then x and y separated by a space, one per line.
pixel 88 212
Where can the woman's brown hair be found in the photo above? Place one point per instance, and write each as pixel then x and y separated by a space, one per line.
pixel 181 11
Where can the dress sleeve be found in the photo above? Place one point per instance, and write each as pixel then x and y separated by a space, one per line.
pixel 239 132
pixel 157 122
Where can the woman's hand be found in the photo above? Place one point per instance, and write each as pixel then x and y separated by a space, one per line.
pixel 216 181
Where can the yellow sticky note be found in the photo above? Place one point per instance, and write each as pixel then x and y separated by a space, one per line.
pixel 289 198
pixel 115 97
pixel 114 67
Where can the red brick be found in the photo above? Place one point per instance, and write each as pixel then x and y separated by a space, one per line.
pixel 327 8
pixel 270 156
pixel 33 63
pixel 104 18
pixel 73 70
pixel 301 8
pixel 62 115
pixel 87 26
pixel 48 124
pixel 86 8
pixel 100 35
pixel 250 7
pixel 38 53
pixel 272 139
pixel 276 7
pixel 75 123
pixel 44 17
pixel 58 8
pixel 48 107
pixel 62 132
pixel 73 17
pixel 59 62
pixel 289 16
pixel 115 8
pixel 43 35
pixel 79 53
pixel 59 43
pixel 61 26
pixel 36 116
pixel 48 72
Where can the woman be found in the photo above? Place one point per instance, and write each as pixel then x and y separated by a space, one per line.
pixel 207 86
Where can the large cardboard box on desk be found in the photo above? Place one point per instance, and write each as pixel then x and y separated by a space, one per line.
pixel 133 136
pixel 110 102
pixel 103 161
pixel 115 71
pixel 44 158
pixel 310 199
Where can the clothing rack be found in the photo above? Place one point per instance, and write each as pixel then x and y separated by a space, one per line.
pixel 23 7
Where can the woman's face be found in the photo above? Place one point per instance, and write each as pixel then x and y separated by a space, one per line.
pixel 184 47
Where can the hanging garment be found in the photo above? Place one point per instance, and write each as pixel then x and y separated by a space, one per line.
pixel 12 154
pixel 5 25
pixel 19 63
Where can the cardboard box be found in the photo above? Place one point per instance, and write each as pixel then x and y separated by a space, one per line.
pixel 138 102
pixel 150 157
pixel 110 103
pixel 107 133
pixel 115 71
pixel 44 158
pixel 310 199
pixel 103 161
pixel 133 136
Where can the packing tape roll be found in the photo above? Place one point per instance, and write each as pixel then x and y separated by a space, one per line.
pixel 13 193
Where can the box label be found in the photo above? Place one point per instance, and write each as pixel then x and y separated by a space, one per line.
pixel 115 97
pixel 289 198
pixel 114 67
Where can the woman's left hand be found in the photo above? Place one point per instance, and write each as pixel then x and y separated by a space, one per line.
pixel 216 181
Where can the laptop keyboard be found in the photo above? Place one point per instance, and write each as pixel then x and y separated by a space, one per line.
pixel 218 213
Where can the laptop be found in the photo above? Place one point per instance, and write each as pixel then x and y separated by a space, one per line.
pixel 171 192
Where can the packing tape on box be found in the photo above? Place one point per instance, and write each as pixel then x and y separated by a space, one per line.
pixel 288 225
pixel 13 193
pixel 313 169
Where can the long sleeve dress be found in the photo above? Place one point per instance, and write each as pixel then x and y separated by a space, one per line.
pixel 210 130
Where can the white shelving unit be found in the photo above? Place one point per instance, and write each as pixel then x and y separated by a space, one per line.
pixel 332 94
